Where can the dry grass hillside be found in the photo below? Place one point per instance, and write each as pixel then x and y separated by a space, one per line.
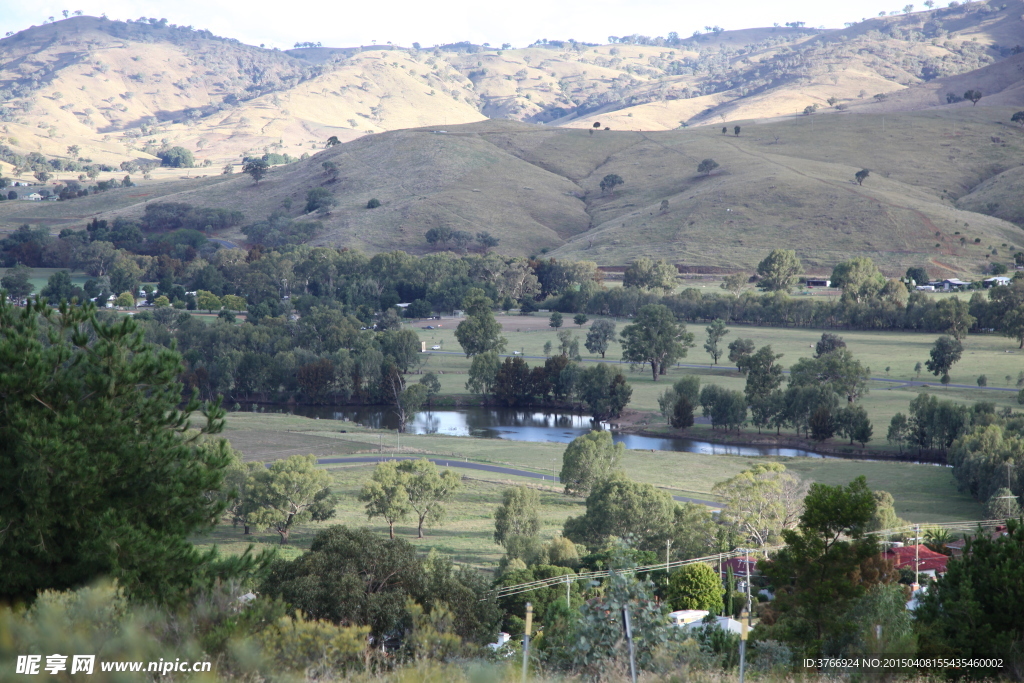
pixel 783 184
pixel 125 90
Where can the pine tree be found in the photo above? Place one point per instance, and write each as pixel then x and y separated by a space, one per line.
pixel 104 473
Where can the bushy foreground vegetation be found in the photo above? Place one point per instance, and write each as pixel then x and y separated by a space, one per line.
pixel 358 603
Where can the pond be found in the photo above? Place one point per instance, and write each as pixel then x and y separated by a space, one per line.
pixel 519 425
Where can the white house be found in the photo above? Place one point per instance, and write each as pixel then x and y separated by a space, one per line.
pixel 685 617
pixel 997 281
pixel 34 197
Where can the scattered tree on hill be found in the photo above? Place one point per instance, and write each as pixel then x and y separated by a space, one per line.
pixel 881 97
pixel 725 130
pixel 373 204
pixel 332 141
pixel 973 95
pixel 291 491
pixel 707 166
pixel 176 157
pixel 861 175
pixel 518 514
pixel 555 321
pixel 256 168
pixel 610 181
pixel 695 586
pixel 319 199
pixel 1018 118
pixel 438 236
pixel 832 101
pixel 589 460
pixel 736 130
pixel 331 169
pixel 487 241
pixel 778 270
pixel 655 338
pixel 599 336
pixel 428 490
pixel 580 319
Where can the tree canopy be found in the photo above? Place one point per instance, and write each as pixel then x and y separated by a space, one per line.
pixel 655 338
pixel 588 460
pixel 106 475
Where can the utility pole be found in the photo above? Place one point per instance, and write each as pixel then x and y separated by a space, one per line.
pixel 668 548
pixel 526 637
pixel 917 554
pixel 629 640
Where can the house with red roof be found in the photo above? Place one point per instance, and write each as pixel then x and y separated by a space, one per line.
pixel 742 567
pixel 928 562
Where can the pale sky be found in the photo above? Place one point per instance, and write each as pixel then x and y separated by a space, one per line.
pixel 519 22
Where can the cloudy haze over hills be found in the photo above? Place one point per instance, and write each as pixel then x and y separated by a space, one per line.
pixel 404 22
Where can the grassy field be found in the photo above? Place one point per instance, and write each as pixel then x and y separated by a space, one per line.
pixel 992 355
pixel 923 493
pixel 40 276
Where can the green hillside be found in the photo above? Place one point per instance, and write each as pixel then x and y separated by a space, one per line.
pixel 783 184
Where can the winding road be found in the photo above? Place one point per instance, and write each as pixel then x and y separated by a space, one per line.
pixel 494 469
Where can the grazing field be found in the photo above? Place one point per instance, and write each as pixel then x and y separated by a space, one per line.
pixel 890 391
pixel 40 276
pixel 923 493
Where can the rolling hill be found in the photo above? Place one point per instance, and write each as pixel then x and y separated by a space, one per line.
pixel 537 188
pixel 515 142
pixel 125 90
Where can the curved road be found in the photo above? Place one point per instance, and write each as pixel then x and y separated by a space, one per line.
pixel 495 469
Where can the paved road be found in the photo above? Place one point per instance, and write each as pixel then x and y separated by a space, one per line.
pixel 901 383
pixel 494 469
pixel 224 243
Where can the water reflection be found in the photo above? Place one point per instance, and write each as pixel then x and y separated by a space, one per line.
pixel 518 425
